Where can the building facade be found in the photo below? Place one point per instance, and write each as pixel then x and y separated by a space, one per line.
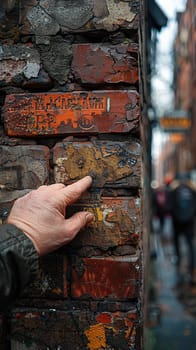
pixel 183 145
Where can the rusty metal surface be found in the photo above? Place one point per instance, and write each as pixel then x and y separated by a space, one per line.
pixel 69 113
pixel 110 163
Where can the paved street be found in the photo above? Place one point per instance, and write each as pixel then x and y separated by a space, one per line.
pixel 172 308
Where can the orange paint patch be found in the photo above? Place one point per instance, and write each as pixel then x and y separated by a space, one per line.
pixel 96 337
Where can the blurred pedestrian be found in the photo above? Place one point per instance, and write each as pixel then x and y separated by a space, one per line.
pixel 183 200
pixel 161 202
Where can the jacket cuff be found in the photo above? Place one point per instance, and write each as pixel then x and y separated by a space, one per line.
pixel 14 237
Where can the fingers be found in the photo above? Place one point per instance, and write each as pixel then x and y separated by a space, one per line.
pixel 56 186
pixel 75 190
pixel 78 221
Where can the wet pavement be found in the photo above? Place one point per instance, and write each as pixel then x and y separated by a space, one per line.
pixel 171 321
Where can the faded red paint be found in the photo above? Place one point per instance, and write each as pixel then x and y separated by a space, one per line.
pixel 104 318
pixel 105 278
pixel 99 64
pixel 70 113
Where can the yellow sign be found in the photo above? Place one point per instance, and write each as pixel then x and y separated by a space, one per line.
pixel 175 123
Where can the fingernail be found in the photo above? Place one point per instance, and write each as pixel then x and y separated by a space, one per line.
pixel 92 175
pixel 89 217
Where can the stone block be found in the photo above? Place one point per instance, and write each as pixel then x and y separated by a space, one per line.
pixel 23 167
pixel 49 17
pixel 57 60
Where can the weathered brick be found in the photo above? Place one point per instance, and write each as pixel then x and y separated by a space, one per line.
pixel 117 221
pixel 99 278
pixel 75 329
pixel 100 64
pixel 71 113
pixel 23 167
pixel 111 164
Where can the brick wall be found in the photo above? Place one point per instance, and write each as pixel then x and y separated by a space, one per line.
pixel 70 106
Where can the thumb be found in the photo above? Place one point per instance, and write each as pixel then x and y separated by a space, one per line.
pixel 76 222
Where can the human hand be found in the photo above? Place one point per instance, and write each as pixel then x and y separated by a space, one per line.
pixel 40 214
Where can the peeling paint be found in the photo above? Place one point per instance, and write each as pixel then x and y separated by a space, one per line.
pixel 118 13
pixel 108 163
pixel 31 70
pixel 105 221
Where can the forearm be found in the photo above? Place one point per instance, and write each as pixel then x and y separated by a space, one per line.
pixel 18 263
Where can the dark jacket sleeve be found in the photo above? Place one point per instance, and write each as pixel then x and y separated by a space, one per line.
pixel 18 264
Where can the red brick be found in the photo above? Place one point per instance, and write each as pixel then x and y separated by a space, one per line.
pixel 104 317
pixel 100 64
pixel 23 167
pixel 111 164
pixel 71 113
pixel 117 221
pixel 98 278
